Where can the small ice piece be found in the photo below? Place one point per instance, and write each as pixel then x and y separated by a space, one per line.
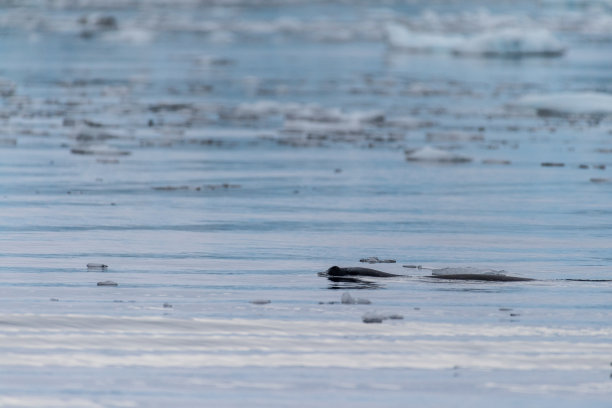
pixel 108 283
pixel 375 259
pixel 431 154
pixel 96 266
pixel 347 299
pixel 512 43
pixel 260 301
pixel 98 150
pixel 456 136
pixel 373 317
pixel 568 103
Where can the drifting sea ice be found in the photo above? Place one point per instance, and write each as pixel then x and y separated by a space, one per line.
pixel 512 43
pixel 509 42
pixel 431 154
pixel 568 103
pixel 400 37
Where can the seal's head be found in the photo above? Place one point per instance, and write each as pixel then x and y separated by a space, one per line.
pixel 334 271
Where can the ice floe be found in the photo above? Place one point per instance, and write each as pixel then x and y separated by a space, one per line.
pixel 96 266
pixel 507 42
pixel 107 283
pixel 375 259
pixel 347 299
pixel 568 103
pixel 402 38
pixel 431 154
pixel 511 43
pixel 376 317
pixel 99 150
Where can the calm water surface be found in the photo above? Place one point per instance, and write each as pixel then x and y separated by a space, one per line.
pixel 218 153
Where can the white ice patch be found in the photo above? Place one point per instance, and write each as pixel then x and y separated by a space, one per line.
pixel 347 299
pixel 510 43
pixel 400 37
pixel 507 42
pixel 431 154
pixel 568 103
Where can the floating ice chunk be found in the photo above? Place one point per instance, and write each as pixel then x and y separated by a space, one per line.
pixel 375 259
pixel 375 317
pixel 431 154
pixel 456 136
pixel 108 283
pixel 568 103
pixel 98 150
pixel 347 299
pixel 307 126
pixel 96 266
pixel 512 43
pixel 400 37
pixel 261 301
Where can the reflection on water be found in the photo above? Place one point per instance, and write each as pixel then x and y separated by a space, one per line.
pixel 352 283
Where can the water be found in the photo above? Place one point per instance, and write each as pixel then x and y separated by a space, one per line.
pixel 236 152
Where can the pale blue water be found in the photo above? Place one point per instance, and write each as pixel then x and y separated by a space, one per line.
pixel 217 203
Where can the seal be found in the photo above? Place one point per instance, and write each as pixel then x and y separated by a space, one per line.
pixel 358 271
pixel 353 275
pixel 481 277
